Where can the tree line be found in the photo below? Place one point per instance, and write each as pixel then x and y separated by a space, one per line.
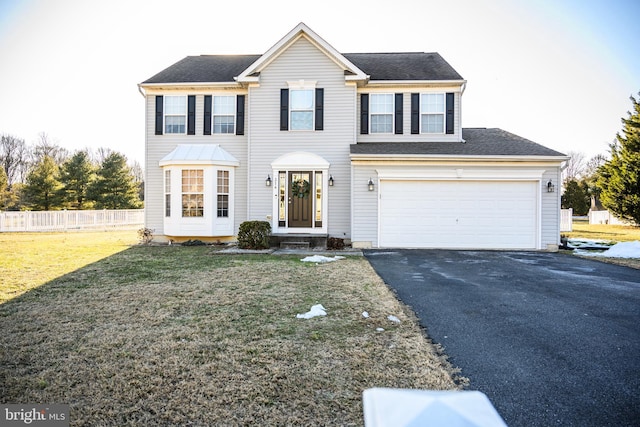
pixel 611 182
pixel 46 176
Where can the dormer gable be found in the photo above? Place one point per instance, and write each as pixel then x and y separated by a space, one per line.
pixel 252 73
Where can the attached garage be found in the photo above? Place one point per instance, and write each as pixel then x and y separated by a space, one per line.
pixel 459 214
pixel 490 190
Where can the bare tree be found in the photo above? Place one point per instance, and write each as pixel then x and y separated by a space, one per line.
pixel 14 158
pixel 575 166
pixel 45 146
pixel 593 164
pixel 102 153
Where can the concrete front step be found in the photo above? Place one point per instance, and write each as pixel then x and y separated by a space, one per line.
pixel 294 245
pixel 299 241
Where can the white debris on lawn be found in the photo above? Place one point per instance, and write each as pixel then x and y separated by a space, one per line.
pixel 380 329
pixel 365 314
pixel 619 250
pixel 321 258
pixel 393 318
pixel 316 310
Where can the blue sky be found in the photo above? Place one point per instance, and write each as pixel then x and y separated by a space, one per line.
pixel 557 72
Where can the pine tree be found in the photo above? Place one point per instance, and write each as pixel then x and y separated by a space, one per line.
pixel 575 197
pixel 76 175
pixel 43 186
pixel 4 189
pixel 114 186
pixel 619 178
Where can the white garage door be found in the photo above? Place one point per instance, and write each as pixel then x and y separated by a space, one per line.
pixel 459 214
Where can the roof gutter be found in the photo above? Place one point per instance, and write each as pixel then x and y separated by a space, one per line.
pixel 449 157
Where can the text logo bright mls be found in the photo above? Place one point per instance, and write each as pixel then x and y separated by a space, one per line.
pixel 34 415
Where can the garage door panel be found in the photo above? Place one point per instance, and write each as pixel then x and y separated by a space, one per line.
pixel 459 214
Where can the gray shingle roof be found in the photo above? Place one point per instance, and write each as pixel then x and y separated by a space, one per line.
pixel 204 68
pixel 479 142
pixel 380 66
pixel 404 66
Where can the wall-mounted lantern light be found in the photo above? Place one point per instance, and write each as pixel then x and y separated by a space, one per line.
pixel 370 184
pixel 268 181
pixel 550 187
pixel 330 180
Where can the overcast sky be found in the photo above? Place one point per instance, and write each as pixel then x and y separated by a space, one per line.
pixel 558 72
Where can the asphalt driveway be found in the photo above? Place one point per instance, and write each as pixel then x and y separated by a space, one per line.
pixel 552 339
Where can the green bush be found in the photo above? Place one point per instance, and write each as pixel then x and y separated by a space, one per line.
pixel 254 235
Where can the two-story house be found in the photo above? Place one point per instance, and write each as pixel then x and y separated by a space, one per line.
pixel 368 147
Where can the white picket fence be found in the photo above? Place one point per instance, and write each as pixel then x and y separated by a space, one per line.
pixel 71 220
pixel 566 219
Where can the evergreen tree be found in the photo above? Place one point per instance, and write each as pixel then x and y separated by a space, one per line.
pixel 4 189
pixel 42 188
pixel 619 178
pixel 575 197
pixel 114 186
pixel 76 175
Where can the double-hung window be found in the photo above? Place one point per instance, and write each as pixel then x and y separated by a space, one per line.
pixel 432 109
pixel 223 194
pixel 381 109
pixel 192 192
pixel 224 114
pixel 301 109
pixel 167 193
pixel 175 114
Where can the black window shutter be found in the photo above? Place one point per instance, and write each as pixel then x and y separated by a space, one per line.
pixel 159 106
pixel 415 113
pixel 207 115
pixel 449 111
pixel 319 109
pixel 364 113
pixel 191 115
pixel 398 118
pixel 240 115
pixel 284 109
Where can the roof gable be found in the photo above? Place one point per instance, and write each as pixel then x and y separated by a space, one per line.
pixel 362 67
pixel 352 72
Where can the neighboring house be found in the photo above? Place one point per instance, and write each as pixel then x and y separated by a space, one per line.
pixel 368 147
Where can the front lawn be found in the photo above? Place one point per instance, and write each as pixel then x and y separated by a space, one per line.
pixel 182 336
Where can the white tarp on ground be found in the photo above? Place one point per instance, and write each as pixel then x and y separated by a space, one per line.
pixel 316 310
pixel 321 258
pixel 408 408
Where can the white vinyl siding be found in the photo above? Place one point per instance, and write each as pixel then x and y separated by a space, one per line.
pixel 302 61
pixel 407 136
pixel 158 146
pixel 367 205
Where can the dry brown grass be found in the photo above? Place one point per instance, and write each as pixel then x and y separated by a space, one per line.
pixel 181 336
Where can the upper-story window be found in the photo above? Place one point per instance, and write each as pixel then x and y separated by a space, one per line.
pixel 301 108
pixel 432 109
pixel 224 114
pixel 381 109
pixel 175 114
